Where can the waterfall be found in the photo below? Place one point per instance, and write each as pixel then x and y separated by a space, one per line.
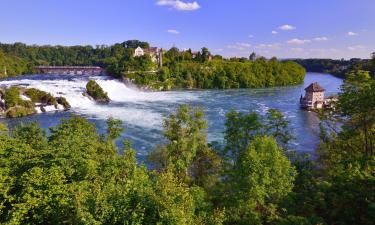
pixel 127 104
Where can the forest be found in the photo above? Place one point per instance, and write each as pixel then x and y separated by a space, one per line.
pixel 74 175
pixel 181 69
pixel 336 67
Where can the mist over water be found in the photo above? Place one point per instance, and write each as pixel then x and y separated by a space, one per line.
pixel 142 112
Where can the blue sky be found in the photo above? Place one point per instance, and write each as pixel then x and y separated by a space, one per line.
pixel 282 28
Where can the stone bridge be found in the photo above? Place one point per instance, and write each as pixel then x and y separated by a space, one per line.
pixel 71 70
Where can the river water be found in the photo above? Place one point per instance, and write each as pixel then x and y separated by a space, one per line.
pixel 142 112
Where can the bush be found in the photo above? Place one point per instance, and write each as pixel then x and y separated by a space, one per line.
pixel 96 92
pixel 17 107
pixel 62 101
pixel 12 97
pixel 40 96
pixel 19 111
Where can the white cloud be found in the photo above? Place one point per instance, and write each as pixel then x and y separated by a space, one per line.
pixel 274 32
pixel 297 41
pixel 179 5
pixel 323 51
pixel 239 46
pixel 219 50
pixel 356 47
pixel 351 33
pixel 173 31
pixel 246 45
pixel 250 36
pixel 321 39
pixel 287 27
pixel 274 46
pixel 297 49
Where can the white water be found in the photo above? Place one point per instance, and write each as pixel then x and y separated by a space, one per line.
pixel 118 92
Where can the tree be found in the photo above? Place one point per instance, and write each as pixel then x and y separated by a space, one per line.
pixel 204 54
pixel 277 126
pixel 373 64
pixel 136 43
pixel 186 153
pixel 241 129
pixel 358 122
pixel 31 134
pixel 3 127
pixel 114 130
pixel 264 176
pixel 253 56
pixel 338 187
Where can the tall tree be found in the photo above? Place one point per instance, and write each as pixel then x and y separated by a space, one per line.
pixel 186 153
pixel 264 176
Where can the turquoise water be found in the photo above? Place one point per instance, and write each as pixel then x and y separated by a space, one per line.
pixel 142 112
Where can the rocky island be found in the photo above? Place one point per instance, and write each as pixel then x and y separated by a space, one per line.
pixel 96 93
pixel 19 102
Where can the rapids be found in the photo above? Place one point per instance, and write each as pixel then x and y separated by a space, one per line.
pixel 142 112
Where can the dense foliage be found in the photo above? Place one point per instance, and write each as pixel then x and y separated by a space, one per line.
pixel 336 67
pixel 94 90
pixel 116 59
pixel 182 70
pixel 11 65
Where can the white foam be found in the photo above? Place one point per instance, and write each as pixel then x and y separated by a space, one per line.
pixel 38 110
pixel 117 91
pixel 24 97
pixel 49 108
pixel 60 107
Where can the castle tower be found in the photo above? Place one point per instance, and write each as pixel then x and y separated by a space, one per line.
pixel 314 97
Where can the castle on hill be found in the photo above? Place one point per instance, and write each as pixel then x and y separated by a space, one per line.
pixel 155 53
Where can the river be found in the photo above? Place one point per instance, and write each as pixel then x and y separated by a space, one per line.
pixel 142 112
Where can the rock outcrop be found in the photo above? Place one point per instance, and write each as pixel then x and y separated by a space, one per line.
pixel 19 102
pixel 96 93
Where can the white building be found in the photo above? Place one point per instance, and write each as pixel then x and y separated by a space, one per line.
pixel 139 52
pixel 155 53
pixel 314 97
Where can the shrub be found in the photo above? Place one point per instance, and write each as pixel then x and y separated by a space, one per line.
pixel 62 101
pixel 19 111
pixel 12 97
pixel 40 96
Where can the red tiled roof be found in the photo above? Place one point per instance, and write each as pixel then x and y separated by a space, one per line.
pixel 314 87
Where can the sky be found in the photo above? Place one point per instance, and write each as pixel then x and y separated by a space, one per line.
pixel 232 28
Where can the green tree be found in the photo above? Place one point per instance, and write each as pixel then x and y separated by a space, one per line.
pixel 264 176
pixel 241 129
pixel 114 130
pixel 204 54
pixel 186 153
pixel 277 126
pixel 373 64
